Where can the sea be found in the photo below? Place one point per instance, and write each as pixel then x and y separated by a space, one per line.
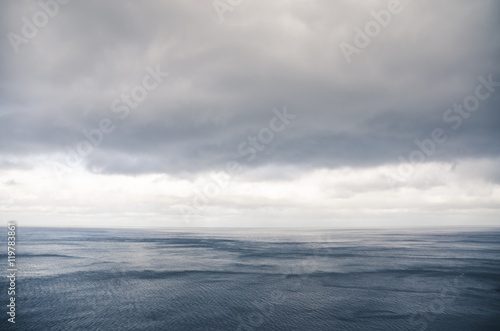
pixel 209 279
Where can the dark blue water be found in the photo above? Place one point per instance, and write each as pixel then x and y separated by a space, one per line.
pixel 74 279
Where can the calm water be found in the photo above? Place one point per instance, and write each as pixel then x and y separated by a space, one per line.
pixel 73 279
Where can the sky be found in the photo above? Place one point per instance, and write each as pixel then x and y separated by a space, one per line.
pixel 236 113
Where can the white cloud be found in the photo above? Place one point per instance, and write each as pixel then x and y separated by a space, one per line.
pixel 321 197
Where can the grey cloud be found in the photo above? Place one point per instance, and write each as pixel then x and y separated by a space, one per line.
pixel 225 78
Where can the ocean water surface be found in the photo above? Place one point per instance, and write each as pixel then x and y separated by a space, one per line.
pixel 255 279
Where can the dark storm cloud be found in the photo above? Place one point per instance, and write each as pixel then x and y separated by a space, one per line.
pixel 226 77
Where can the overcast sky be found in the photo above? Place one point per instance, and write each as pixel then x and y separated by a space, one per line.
pixel 250 113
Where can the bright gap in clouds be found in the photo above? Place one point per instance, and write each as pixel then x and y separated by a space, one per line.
pixel 343 197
